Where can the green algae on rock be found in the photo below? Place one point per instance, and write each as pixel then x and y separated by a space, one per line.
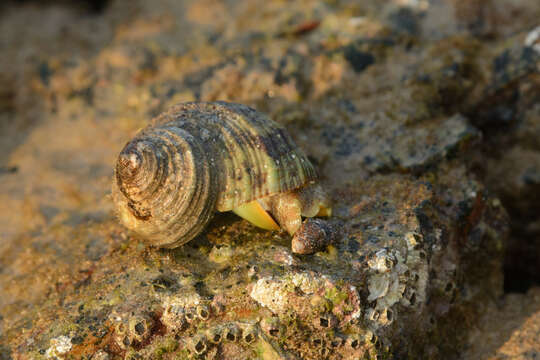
pixel 422 238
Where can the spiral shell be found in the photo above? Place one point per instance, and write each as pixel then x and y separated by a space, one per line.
pixel 199 158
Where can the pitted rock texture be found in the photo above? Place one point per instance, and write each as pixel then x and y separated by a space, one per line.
pixel 394 104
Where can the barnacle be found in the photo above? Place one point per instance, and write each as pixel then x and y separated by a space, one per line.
pixel 173 317
pixel 214 334
pixel 231 332
pixel 271 326
pixel 249 334
pixel 203 312
pixel 198 344
pixel 132 329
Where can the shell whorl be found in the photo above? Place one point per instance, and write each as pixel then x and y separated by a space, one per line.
pixel 160 190
pixel 198 158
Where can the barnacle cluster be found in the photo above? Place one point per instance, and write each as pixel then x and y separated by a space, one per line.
pixel 396 276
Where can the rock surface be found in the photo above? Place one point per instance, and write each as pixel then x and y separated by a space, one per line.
pixel 508 329
pixel 419 116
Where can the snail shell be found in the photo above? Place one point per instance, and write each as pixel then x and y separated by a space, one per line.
pixel 201 157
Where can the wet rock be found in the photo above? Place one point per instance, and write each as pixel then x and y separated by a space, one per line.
pixel 359 60
pixel 385 110
pixel 406 20
pixel 513 326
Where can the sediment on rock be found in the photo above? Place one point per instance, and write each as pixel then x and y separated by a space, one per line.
pixel 422 124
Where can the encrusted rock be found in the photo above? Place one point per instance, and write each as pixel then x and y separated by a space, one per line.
pixel 406 111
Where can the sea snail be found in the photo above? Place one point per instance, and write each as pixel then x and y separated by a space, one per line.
pixel 201 157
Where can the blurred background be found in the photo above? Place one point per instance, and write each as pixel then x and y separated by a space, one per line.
pixel 369 88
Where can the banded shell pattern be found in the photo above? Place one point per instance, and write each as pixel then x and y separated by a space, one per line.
pixel 198 158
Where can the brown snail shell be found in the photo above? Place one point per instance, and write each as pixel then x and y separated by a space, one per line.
pixel 198 158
